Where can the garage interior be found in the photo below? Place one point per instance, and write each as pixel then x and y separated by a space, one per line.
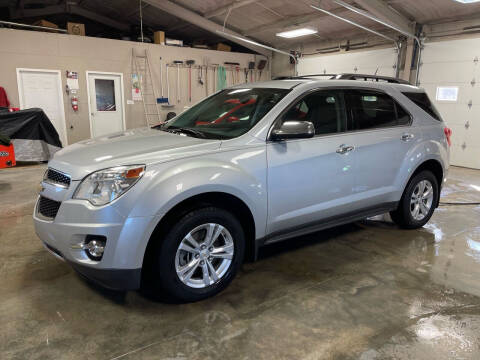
pixel 366 290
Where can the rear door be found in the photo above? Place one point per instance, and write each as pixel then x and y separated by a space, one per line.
pixel 384 138
pixel 308 180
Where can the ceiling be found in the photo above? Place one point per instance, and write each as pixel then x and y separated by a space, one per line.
pixel 257 19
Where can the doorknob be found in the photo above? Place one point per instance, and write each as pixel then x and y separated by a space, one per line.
pixel 407 137
pixel 344 149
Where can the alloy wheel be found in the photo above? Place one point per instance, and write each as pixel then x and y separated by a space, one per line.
pixel 421 200
pixel 204 255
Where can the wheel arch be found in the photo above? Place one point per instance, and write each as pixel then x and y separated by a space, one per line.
pixel 223 200
pixel 436 168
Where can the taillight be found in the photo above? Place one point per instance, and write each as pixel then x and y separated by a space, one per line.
pixel 448 134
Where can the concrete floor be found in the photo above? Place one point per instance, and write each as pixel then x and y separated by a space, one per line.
pixel 362 291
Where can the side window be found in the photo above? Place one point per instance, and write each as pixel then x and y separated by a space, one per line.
pixel 371 109
pixel 325 109
pixel 421 99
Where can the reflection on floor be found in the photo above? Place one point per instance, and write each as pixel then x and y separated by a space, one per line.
pixel 367 290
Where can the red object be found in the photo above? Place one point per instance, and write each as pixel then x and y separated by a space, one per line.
pixel 75 103
pixel 13 109
pixel 7 156
pixel 229 113
pixel 3 98
pixel 448 135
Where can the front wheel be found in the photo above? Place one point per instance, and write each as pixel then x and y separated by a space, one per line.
pixel 418 201
pixel 200 255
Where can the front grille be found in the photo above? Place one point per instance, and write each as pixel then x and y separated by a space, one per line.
pixel 47 207
pixel 56 177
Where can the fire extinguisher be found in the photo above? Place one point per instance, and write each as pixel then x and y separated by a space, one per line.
pixel 74 103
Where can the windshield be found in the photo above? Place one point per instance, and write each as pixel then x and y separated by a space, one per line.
pixel 226 115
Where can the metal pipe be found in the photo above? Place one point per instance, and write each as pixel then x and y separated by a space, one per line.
pixel 353 23
pixel 261 45
pixel 396 28
pixel 364 28
pixel 32 26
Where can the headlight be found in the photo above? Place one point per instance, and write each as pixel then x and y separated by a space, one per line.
pixel 104 186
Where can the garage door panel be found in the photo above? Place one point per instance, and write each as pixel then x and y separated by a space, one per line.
pixel 449 72
pixel 455 50
pixel 451 63
pixel 365 62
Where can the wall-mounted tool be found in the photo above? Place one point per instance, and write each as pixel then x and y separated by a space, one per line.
pixel 161 99
pixel 177 63
pixel 190 63
pixel 261 66
pixel 168 104
pixel 251 67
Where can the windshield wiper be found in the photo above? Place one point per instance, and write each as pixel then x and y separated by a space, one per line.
pixel 187 131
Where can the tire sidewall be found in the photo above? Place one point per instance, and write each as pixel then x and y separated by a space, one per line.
pixel 410 221
pixel 166 257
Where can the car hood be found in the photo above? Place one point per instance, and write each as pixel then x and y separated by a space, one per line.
pixel 137 146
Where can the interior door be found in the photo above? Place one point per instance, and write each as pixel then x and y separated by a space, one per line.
pixel 43 89
pixel 384 138
pixel 106 103
pixel 311 179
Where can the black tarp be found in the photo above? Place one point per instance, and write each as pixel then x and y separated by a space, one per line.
pixel 32 134
pixel 30 124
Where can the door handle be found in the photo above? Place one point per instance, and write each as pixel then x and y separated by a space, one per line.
pixel 407 137
pixel 344 149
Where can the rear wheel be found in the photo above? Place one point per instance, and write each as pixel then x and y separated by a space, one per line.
pixel 418 201
pixel 199 256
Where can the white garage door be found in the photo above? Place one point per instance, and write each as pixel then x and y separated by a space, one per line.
pixel 363 62
pixel 446 67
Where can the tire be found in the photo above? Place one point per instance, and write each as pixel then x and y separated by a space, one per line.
pixel 169 257
pixel 404 215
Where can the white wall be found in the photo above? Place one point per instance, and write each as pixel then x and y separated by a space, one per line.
pixel 452 63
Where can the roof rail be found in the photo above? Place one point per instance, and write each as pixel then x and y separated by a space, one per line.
pixel 347 76
pixel 365 77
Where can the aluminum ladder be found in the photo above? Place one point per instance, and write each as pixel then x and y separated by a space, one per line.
pixel 141 67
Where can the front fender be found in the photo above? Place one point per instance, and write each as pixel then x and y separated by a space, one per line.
pixel 171 183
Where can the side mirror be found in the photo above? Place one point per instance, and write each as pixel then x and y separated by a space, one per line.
pixel 294 130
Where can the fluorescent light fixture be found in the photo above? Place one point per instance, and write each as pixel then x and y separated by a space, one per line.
pixel 467 1
pixel 297 32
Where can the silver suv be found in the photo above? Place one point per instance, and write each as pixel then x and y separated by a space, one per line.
pixel 177 208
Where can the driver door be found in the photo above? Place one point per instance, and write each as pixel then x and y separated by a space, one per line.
pixel 311 180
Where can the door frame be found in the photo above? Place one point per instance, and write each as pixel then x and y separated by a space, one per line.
pixel 60 94
pixel 122 94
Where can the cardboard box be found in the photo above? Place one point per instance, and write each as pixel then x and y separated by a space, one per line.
pixel 76 28
pixel 159 37
pixel 223 47
pixel 45 23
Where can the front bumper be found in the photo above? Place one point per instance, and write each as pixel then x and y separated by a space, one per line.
pixel 127 238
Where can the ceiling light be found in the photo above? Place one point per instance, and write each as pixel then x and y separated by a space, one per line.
pixel 297 32
pixel 467 1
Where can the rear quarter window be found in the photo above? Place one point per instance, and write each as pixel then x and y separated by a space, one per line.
pixel 421 100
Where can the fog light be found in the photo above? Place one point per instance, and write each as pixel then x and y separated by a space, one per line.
pixel 94 246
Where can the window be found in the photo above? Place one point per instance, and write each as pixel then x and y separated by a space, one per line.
pixel 371 109
pixel 227 114
pixel 421 99
pixel 105 95
pixel 324 109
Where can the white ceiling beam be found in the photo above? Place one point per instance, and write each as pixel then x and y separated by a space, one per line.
pixel 224 9
pixel 201 22
pixel 384 12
